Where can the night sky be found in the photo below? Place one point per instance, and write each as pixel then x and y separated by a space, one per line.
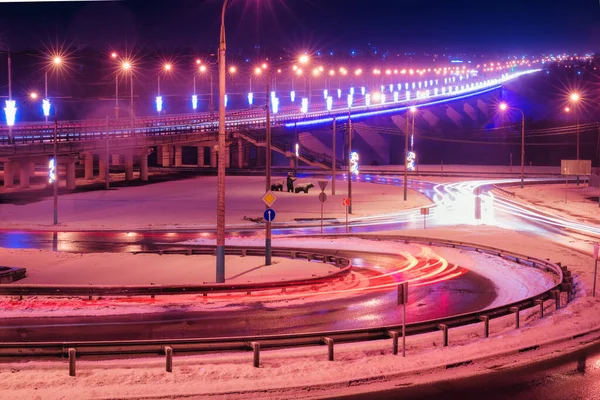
pixel 298 25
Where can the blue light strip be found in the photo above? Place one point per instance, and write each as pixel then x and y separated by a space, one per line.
pixel 358 115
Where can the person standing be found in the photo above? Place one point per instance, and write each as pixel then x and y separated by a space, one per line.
pixel 290 182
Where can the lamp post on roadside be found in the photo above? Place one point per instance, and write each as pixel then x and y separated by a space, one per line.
pixel 574 98
pixel 504 107
pixel 211 107
pixel 114 56
pixel 220 252
pixel 127 68
pixel 412 111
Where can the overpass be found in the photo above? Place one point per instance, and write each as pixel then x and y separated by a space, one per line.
pixel 129 140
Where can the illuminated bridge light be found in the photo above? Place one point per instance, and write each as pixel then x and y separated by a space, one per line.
pixel 420 84
pixel 250 98
pixel 350 100
pixel 435 91
pixel 368 99
pixel 407 95
pixel 159 103
pixel 382 98
pixel 406 86
pixel 329 103
pixel 382 88
pixel 425 83
pixel 396 97
pixel 275 105
pixel 399 86
pixel 226 100
pixel 46 107
pixel 293 96
pixel 339 93
pixel 391 88
pixel 10 111
pixel 304 107
pixel 352 91
pixel 363 90
pixel 414 85
pixel 325 94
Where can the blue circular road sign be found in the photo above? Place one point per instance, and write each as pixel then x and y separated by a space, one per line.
pixel 269 215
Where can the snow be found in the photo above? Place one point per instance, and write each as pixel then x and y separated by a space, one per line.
pixel 570 201
pixel 126 269
pixel 466 169
pixel 191 203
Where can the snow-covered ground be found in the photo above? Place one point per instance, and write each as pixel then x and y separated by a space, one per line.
pixel 45 267
pixel 189 204
pixel 466 169
pixel 571 201
pixel 306 373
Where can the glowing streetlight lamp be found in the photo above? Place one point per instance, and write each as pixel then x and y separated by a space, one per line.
pixel 504 107
pixel 304 59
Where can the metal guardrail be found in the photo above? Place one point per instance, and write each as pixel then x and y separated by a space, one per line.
pixel 343 264
pixel 255 343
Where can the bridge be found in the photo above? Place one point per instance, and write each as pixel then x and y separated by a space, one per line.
pixel 130 141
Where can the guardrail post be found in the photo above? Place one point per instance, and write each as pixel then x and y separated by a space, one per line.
pixel 256 348
pixel 72 353
pixel 556 294
pixel 329 342
pixel 169 358
pixel 486 325
pixel 293 255
pixel 516 311
pixel 444 329
pixel 394 336
pixel 540 302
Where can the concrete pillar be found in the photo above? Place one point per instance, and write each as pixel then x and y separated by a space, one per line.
pixel 144 167
pixel 115 159
pixel 159 155
pixel 25 170
pixel 201 156
pixel 89 166
pixel 178 156
pixel 9 174
pixel 240 153
pixel 129 167
pixel 166 155
pixel 227 157
pixel 102 168
pixel 32 169
pixel 292 162
pixel 71 175
pixel 213 157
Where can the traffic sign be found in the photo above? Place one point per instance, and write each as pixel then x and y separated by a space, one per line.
pixel 425 211
pixel 322 197
pixel 269 215
pixel 323 185
pixel 596 249
pixel 346 202
pixel 269 198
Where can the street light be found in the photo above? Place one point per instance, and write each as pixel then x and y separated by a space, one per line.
pixel 413 111
pixel 220 251
pixel 159 100
pixel 127 68
pixel 204 70
pixel 504 107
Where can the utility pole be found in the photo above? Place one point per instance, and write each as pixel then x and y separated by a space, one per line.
pixel 57 175
pixel 349 162
pixel 268 168
pixel 333 159
pixel 406 159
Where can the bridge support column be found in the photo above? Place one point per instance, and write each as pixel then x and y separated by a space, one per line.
pixel 201 156
pixel 89 166
pixel 144 167
pixel 159 154
pixel 115 159
pixel 166 155
pixel 102 168
pixel 32 169
pixel 129 167
pixel 25 174
pixel 240 153
pixel 9 174
pixel 178 156
pixel 292 162
pixel 70 166
pixel 213 157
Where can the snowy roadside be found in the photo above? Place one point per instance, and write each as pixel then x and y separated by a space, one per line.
pixel 569 201
pixel 357 365
pixel 187 204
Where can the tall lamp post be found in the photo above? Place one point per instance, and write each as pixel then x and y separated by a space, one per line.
pixel 575 97
pixel 221 155
pixel 114 56
pixel 211 107
pixel 127 68
pixel 412 111
pixel 504 107
pixel 159 101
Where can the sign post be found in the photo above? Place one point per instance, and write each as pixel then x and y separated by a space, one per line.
pixel 346 203
pixel 424 213
pixel 402 300
pixel 269 198
pixel 596 248
pixel 322 199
